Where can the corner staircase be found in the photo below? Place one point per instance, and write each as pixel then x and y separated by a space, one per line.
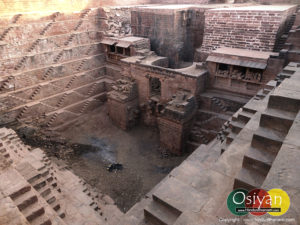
pixel 267 140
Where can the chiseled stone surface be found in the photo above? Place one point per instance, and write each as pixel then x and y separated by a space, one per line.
pixel 9 213
pixel 30 174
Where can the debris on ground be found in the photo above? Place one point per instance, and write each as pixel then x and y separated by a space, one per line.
pixel 114 167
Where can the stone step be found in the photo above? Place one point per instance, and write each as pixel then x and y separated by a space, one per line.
pixel 236 126
pixel 260 94
pixel 191 145
pixel 51 200
pixel 230 137
pixel 45 191
pixel 252 163
pixel 187 198
pixel 259 158
pixel 226 131
pixel 42 220
pixel 20 192
pixel 28 172
pixel 33 211
pixel 249 179
pixel 267 139
pixel 25 200
pixel 265 144
pixel 224 146
pixel 160 214
pixel 244 116
pixel 266 91
pixel 249 110
pixel 40 183
pixel 278 101
pixel 271 85
pixel 277 120
pixel 56 207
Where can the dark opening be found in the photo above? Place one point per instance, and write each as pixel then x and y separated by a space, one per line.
pixel 127 51
pixel 223 67
pixel 155 86
pixel 112 48
pixel 120 50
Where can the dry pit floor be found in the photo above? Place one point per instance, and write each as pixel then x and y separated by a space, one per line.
pixel 137 150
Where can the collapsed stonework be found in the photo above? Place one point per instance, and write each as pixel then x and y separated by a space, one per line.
pixel 219 84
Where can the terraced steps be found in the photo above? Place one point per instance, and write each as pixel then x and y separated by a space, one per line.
pixel 157 213
pixel 236 126
pixel 249 178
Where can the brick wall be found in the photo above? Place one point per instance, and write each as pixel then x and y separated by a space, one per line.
pixel 246 29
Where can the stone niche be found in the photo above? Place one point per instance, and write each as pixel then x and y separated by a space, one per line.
pixel 242 71
pixel 176 120
pixel 123 107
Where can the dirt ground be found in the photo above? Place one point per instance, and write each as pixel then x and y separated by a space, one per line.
pixel 137 150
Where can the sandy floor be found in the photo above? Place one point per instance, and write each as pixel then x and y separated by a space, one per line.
pixel 137 150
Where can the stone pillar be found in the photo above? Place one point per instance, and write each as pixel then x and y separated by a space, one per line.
pixel 176 122
pixel 123 105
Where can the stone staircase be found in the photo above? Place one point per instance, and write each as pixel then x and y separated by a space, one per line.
pixel 36 91
pixel 78 25
pixel 23 111
pixel 165 209
pixel 33 45
pixel 5 33
pixel 52 119
pixel 71 81
pixel 282 40
pixel 70 39
pixel 21 63
pixel 267 140
pixel 81 65
pixel 29 203
pixel 43 32
pixel 16 18
pixel 240 119
pixel 218 103
pixel 237 123
pixel 84 13
pixel 38 188
pixel 43 182
pixel 26 201
pixel 202 132
pixel 58 57
pixel 49 71
pixel 89 50
pixel 93 88
pixel 61 100
pixel 6 84
pixel 85 105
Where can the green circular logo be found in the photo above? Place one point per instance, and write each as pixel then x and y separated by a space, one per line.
pixel 236 201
